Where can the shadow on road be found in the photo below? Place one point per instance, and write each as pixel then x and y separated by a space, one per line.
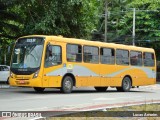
pixel 57 91
pixel 86 90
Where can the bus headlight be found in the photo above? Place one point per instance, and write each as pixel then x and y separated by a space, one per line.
pixel 36 74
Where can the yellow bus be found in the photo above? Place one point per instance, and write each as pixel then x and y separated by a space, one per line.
pixel 56 62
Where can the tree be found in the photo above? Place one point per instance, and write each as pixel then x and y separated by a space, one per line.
pixel 147 24
pixel 70 18
pixel 120 20
pixel 9 23
pixel 115 16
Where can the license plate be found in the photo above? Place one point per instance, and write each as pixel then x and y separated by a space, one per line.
pixel 22 82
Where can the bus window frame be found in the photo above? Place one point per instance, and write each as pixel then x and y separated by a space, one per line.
pixel 114 56
pixel 46 52
pixel 153 59
pixel 97 55
pixel 81 53
pixel 141 58
pixel 128 57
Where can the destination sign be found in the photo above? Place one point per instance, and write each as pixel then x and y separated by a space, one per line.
pixel 30 40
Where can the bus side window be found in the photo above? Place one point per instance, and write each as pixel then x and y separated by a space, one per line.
pixel 136 58
pixel 53 56
pixel 74 53
pixel 91 54
pixel 107 56
pixel 122 57
pixel 148 59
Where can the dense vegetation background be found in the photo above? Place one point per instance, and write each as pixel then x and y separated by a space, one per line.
pixel 79 19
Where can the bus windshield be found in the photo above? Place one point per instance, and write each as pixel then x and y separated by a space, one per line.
pixel 27 54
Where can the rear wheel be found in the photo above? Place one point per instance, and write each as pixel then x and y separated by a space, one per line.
pixel 39 89
pixel 67 84
pixel 101 89
pixel 126 85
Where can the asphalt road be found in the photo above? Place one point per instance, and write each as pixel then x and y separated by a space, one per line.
pixel 81 99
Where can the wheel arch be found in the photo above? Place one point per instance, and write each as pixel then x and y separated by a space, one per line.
pixel 71 75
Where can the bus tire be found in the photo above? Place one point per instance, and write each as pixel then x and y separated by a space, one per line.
pixel 39 89
pixel 101 89
pixel 126 85
pixel 67 84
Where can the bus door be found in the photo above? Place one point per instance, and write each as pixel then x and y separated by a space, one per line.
pixel 53 65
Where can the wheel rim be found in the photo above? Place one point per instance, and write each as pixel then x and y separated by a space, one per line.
pixel 68 84
pixel 126 84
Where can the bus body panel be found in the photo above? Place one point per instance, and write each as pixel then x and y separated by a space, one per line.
pixel 27 81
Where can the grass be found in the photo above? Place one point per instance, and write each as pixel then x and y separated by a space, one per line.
pixel 103 115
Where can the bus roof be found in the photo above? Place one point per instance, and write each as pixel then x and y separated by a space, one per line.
pixel 92 43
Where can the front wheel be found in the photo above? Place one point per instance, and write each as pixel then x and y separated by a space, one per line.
pixel 126 85
pixel 101 89
pixel 39 89
pixel 67 85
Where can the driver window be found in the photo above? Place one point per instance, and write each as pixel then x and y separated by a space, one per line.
pixel 53 56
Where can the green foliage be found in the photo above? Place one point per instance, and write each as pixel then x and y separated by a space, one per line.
pixel 70 18
pixel 9 19
pixel 9 22
pixel 147 22
pixel 120 20
pixel 77 18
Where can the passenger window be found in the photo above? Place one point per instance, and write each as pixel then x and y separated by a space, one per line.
pixel 107 56
pixel 53 55
pixel 90 54
pixel 74 53
pixel 122 57
pixel 148 59
pixel 136 58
